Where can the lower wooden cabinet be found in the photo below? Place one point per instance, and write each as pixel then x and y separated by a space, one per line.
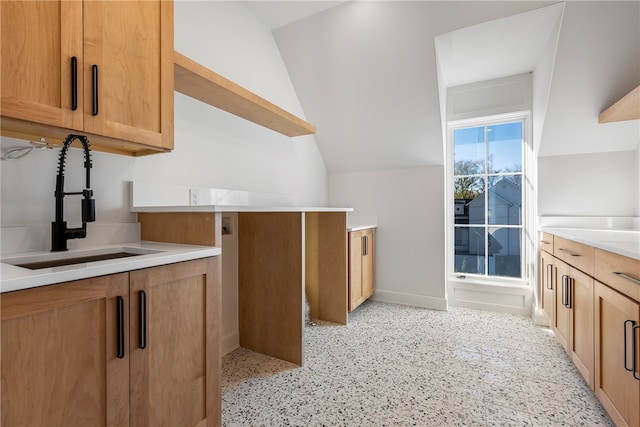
pixel 596 318
pixel 361 266
pixel 573 323
pixel 547 281
pixel 60 364
pixel 617 385
pixel 138 348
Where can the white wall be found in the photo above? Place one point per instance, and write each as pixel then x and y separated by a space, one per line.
pixel 410 234
pixel 598 184
pixel 587 168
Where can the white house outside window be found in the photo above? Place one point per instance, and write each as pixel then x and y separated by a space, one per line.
pixel 488 199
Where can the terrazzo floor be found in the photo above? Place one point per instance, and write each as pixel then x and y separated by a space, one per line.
pixel 394 365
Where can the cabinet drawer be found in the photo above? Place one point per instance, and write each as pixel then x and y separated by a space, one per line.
pixel 575 254
pixel 619 272
pixel 546 242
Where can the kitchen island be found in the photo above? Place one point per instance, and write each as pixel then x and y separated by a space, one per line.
pixel 283 253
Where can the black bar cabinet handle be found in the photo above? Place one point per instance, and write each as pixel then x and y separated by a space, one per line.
pixel 633 323
pixel 549 284
pixel 94 88
pixel 564 290
pixel 569 292
pixel 120 326
pixel 142 322
pixel 634 367
pixel 74 83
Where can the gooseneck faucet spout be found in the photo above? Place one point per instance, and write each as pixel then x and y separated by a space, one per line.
pixel 59 231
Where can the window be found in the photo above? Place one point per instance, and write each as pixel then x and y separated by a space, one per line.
pixel 488 199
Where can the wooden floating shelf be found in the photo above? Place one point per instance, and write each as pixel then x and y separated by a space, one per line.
pixel 199 82
pixel 627 108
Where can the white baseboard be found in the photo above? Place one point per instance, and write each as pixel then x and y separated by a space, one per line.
pixel 230 343
pixel 540 317
pixel 514 300
pixel 433 303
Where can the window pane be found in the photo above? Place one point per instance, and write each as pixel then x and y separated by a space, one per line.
pixel 505 147
pixel 468 187
pixel 468 151
pixel 469 250
pixel 505 200
pixel 504 248
pixel 475 206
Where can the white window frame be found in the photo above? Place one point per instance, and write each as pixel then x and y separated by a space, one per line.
pixel 485 279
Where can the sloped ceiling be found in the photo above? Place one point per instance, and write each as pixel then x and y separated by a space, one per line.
pixel 365 72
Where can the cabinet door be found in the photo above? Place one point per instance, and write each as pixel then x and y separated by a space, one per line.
pixel 129 45
pixel 368 264
pixel 175 356
pixel 355 268
pixel 582 324
pixel 547 280
pixel 39 38
pixel 60 345
pixel 562 313
pixel 615 386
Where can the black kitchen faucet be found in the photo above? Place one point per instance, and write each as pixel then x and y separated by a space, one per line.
pixel 59 231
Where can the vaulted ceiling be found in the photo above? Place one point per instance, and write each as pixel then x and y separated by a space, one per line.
pixel 366 74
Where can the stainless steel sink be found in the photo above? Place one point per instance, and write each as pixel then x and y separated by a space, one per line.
pixel 59 259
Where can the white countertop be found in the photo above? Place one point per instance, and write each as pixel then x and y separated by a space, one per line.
pixel 229 208
pixel 361 227
pixel 15 278
pixel 621 242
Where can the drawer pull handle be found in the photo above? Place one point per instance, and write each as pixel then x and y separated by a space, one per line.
pixel 544 242
pixel 633 352
pixel 74 83
pixel 94 89
pixel 142 320
pixel 626 276
pixel 120 326
pixel 569 252
pixel 567 291
pixel 633 324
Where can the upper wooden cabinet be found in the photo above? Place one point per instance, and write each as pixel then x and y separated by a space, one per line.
pixel 99 68
pixel 627 108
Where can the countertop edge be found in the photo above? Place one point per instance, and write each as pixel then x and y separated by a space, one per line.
pixel 591 237
pixel 361 227
pixel 224 208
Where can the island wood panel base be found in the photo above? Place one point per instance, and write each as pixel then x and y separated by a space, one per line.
pixel 326 274
pixel 193 228
pixel 270 283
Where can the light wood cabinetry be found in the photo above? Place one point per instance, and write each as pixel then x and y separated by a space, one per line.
pixel 547 276
pixel 60 363
pixel 562 311
pixel 597 319
pixel 99 68
pixel 616 384
pixel 361 266
pixel 581 346
pixel 138 348
pixel 573 322
pixel 203 84
pixel 626 108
